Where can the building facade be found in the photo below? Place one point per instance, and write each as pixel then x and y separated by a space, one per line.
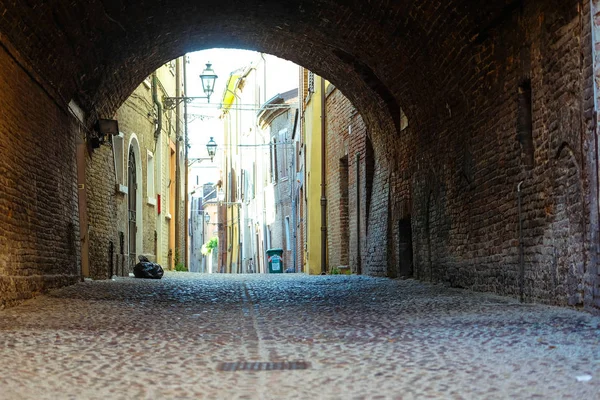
pixel 314 239
pixel 251 222
pixel 202 220
pixel 278 120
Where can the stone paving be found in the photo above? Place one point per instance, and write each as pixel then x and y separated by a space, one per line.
pixel 363 338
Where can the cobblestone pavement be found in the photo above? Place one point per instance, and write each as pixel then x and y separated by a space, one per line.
pixel 364 338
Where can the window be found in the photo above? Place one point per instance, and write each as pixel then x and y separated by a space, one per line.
pixel 283 150
pixel 287 233
pixel 119 158
pixel 151 191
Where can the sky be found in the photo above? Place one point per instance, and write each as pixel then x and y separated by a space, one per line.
pixel 203 121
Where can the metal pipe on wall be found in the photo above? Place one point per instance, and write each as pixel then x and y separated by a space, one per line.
pixel 521 247
pixel 293 169
pixel 323 183
pixel 177 167
pixel 158 105
pixel 359 255
pixel 185 143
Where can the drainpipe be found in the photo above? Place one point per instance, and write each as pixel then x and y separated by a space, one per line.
pixel 358 256
pixel 521 248
pixel 158 130
pixel 262 55
pixel 323 192
pixel 177 165
pixel 239 253
pixel 293 169
pixel 158 107
pixel 185 143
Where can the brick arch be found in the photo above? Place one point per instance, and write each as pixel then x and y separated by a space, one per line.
pixel 382 54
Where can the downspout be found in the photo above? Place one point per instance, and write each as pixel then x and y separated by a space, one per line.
pixel 157 131
pixel 185 143
pixel 239 234
pixel 323 183
pixel 521 248
pixel 177 165
pixel 262 55
pixel 595 197
pixel 158 108
pixel 359 256
pixel 293 191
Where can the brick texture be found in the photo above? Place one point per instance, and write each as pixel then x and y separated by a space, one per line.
pixel 39 223
pixel 346 140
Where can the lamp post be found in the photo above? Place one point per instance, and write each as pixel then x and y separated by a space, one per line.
pixel 208 78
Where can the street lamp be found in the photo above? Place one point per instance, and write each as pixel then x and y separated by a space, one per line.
pixel 211 147
pixel 208 78
pixel 206 217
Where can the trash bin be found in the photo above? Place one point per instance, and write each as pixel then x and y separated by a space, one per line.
pixel 275 261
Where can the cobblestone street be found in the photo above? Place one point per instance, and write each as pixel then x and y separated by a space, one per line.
pixel 360 337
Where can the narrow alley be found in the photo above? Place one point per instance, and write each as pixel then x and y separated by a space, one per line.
pixel 191 336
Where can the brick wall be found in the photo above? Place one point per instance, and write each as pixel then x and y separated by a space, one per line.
pixel 459 163
pixel 102 212
pixel 39 223
pixel 108 206
pixel 346 140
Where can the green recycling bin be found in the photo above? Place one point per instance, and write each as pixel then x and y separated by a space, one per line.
pixel 275 261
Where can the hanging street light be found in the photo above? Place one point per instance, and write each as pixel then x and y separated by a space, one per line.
pixel 208 78
pixel 211 147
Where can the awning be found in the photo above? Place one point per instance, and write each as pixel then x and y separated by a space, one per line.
pixel 229 94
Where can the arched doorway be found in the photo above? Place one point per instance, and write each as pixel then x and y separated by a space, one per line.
pixel 134 203
pixel 132 207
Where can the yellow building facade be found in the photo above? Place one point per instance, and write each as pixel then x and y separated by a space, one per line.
pixel 312 143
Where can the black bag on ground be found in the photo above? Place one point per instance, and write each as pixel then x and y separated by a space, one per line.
pixel 147 269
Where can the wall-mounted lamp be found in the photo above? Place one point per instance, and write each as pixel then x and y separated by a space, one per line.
pixel 208 78
pixel 103 128
pixel 211 148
